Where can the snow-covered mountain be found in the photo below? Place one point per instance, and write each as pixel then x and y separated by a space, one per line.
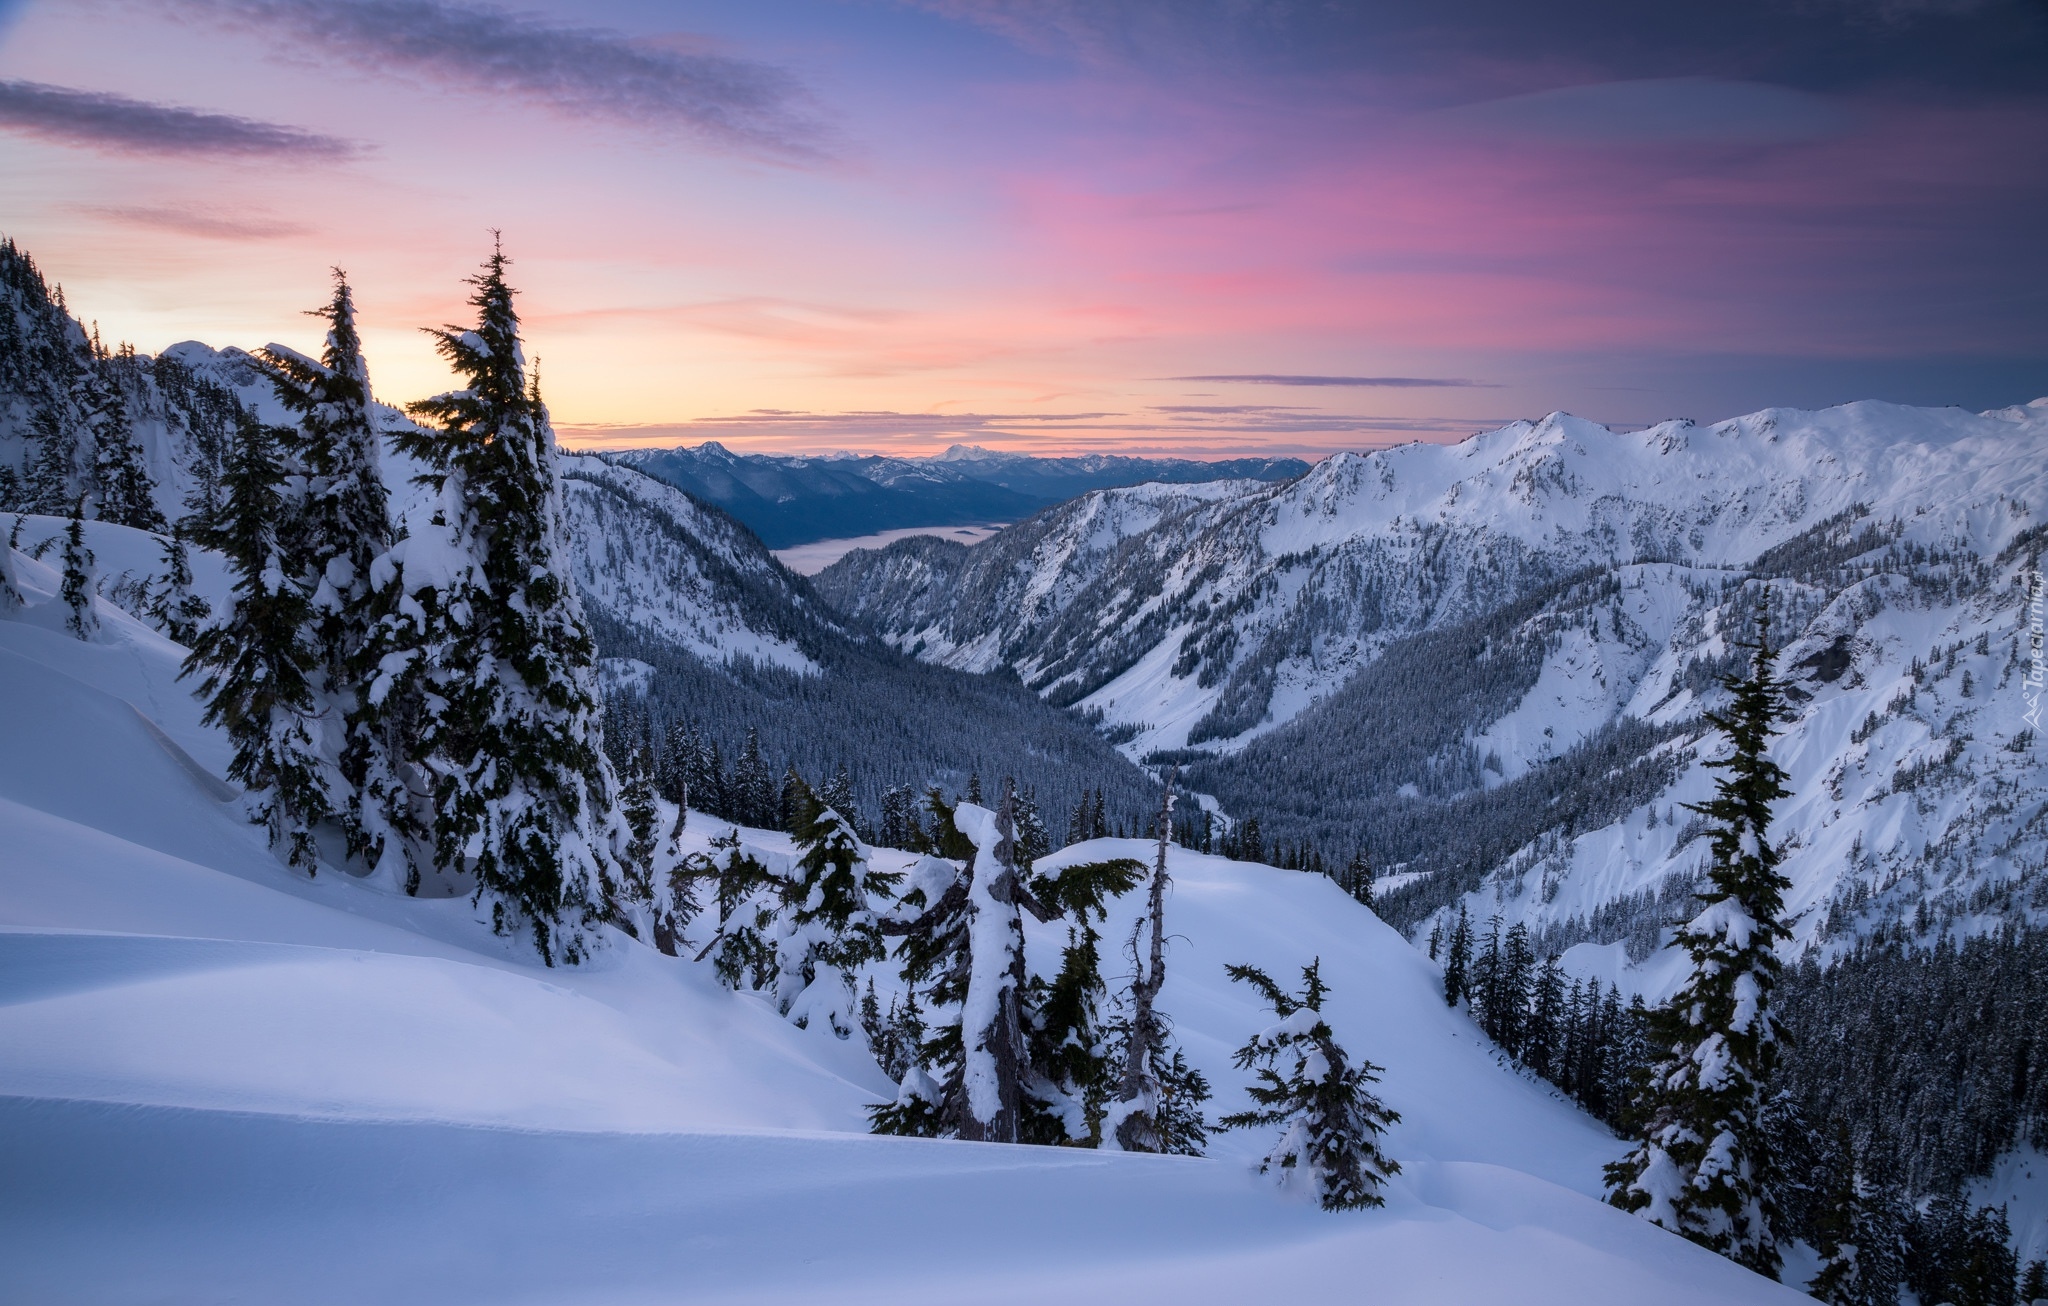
pixel 321 1090
pixel 1485 662
pixel 790 499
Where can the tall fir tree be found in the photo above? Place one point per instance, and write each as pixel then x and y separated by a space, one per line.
pixel 343 526
pixel 49 486
pixel 485 661
pixel 122 490
pixel 256 664
pixel 1701 1167
pixel 1330 1120
pixel 1458 960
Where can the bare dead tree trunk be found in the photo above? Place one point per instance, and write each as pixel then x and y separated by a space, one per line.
pixel 1138 1130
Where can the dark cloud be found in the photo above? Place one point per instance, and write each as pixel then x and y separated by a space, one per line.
pixel 1386 382
pixel 113 122
pixel 585 72
pixel 1438 52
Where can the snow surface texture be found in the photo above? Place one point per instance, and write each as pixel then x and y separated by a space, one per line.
pixel 222 1081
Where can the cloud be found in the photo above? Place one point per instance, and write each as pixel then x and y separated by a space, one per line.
pixel 1227 431
pixel 584 72
pixel 112 122
pixel 1388 382
pixel 1675 110
pixel 209 223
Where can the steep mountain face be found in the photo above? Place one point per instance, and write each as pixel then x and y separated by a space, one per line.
pixel 1485 663
pixel 789 500
pixel 701 624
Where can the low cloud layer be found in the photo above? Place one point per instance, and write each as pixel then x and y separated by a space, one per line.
pixel 1387 382
pixel 113 122
pixel 1218 431
pixel 584 72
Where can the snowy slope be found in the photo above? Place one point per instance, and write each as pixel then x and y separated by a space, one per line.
pixel 283 1089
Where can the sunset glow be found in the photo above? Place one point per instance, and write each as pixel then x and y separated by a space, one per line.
pixel 842 224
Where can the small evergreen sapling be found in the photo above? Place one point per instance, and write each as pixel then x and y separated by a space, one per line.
pixel 829 922
pixel 1330 1120
pixel 77 588
pixel 173 607
pixel 1702 1167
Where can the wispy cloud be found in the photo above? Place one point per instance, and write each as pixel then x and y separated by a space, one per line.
pixel 209 223
pixel 1388 382
pixel 113 122
pixel 585 72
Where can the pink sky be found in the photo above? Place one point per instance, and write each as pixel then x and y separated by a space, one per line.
pixel 891 226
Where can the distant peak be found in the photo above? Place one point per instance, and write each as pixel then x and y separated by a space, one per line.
pixel 967 453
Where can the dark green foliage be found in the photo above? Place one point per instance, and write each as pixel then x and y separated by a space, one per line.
pixel 76 588
pixel 172 605
pixel 1961 1256
pixel 256 665
pixel 340 528
pixel 487 662
pixel 125 495
pixel 1702 1167
pixel 1330 1119
pixel 1458 960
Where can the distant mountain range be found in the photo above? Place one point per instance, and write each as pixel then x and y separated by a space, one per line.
pixel 1485 664
pixel 790 499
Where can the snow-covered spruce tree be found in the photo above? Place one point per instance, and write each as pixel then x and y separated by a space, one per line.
pixel 77 587
pixel 485 653
pixel 964 937
pixel 1846 1227
pixel 1458 960
pixel 342 527
pixel 660 879
pixel 1700 1168
pixel 173 607
pixel 992 1104
pixel 831 926
pixel 799 928
pixel 743 896
pixel 1329 1119
pixel 1073 1048
pixel 51 480
pixel 121 486
pixel 256 663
